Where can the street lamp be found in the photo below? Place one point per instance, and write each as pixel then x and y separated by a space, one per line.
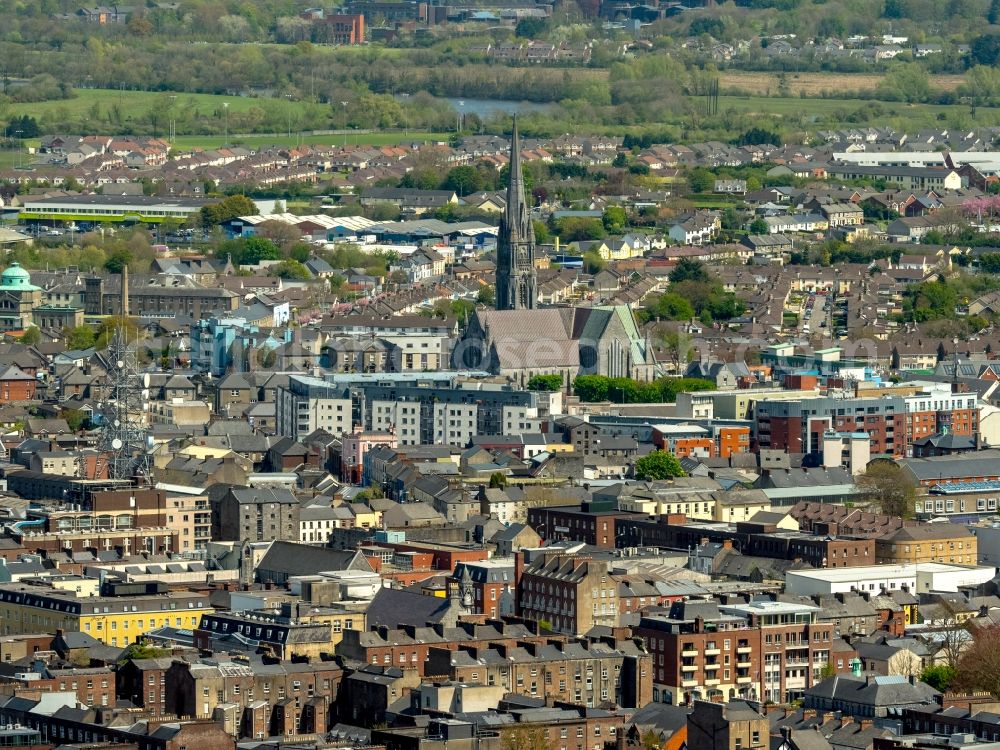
pixel 225 110
pixel 461 105
pixel 288 110
pixel 20 147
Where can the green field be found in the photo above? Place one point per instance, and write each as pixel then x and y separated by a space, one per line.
pixel 822 110
pixel 134 104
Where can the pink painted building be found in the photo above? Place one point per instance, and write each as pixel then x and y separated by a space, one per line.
pixel 354 445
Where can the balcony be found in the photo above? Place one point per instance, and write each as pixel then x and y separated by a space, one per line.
pixel 689 683
pixel 743 680
pixel 689 653
pixel 689 667
pixel 744 664
pixel 713 681
pixel 711 652
pixel 712 667
pixel 744 650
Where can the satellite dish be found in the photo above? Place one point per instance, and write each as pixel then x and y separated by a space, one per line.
pixel 118 423
pixel 120 363
pixel 116 444
pixel 145 380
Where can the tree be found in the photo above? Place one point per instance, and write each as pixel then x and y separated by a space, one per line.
pixel 979 666
pixel 688 270
pixel 463 180
pixel 118 260
pixel 75 418
pixel 614 219
pixel 590 388
pixel 678 344
pixel 80 337
pixel 300 252
pixel 730 219
pixel 530 28
pixel 706 25
pixel 498 479
pixel 291 269
pixel 658 465
pixel 573 228
pixel 593 262
pixel 888 487
pixel 908 82
pixel 549 383
pixel 280 233
pixel 989 262
pixel 985 49
pixel 671 306
pixel 700 180
pixel 487 295
pixel 758 137
pixel 938 676
pixel 31 336
pixel 24 126
pixel 248 251
pixel 759 226
pixel 652 740
pixel 213 214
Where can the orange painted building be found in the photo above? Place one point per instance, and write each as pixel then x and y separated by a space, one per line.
pixel 732 440
pixel 722 442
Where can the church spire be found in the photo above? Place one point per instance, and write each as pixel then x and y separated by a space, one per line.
pixel 517 285
pixel 516 213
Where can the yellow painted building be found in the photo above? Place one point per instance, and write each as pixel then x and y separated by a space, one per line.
pixel 114 620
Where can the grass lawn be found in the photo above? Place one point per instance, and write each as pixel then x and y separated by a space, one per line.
pixel 825 109
pixel 135 103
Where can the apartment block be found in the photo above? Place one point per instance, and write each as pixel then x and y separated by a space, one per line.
pixel 307 404
pixel 132 521
pixel 892 422
pixel 762 650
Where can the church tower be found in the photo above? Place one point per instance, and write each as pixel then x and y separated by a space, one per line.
pixel 517 284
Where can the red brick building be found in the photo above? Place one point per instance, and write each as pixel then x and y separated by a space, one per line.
pixel 94 686
pixel 763 650
pixel 344 29
pixel 16 385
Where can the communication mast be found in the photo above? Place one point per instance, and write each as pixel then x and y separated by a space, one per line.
pixel 122 445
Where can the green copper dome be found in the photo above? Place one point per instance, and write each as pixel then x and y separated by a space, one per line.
pixel 15 277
